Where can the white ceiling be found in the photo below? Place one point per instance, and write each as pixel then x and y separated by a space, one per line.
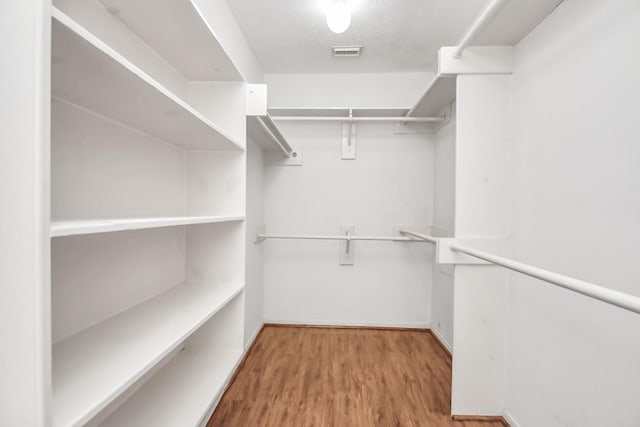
pixel 291 36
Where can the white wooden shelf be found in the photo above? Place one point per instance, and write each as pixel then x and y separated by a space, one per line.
pixel 73 228
pixel 93 367
pixel 440 93
pixel 181 393
pixel 192 47
pixel 87 72
pixel 338 112
pixel 263 129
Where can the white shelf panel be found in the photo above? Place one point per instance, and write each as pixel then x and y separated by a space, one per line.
pixel 264 131
pixel 87 72
pixel 338 112
pixel 176 30
pixel 440 92
pixel 181 393
pixel 514 21
pixel 318 112
pixel 380 112
pixel 93 367
pixel 73 228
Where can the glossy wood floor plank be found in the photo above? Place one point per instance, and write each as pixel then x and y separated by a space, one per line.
pixel 319 377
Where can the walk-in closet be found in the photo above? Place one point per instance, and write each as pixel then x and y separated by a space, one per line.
pixel 296 213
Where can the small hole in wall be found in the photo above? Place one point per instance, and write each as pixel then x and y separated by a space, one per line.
pixel 294 154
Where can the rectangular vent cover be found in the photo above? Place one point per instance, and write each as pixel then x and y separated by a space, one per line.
pixel 344 51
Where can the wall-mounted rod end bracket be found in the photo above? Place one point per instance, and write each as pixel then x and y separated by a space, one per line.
pixel 275 158
pixel 261 232
pixel 405 234
pixel 418 237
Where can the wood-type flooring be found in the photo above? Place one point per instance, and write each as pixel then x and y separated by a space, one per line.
pixel 326 377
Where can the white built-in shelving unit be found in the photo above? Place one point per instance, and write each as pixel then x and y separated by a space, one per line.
pixel 184 390
pixel 265 131
pixel 73 228
pixel 91 371
pixel 500 23
pixel 260 125
pixel 337 112
pixel 119 90
pixel 148 130
pixel 440 93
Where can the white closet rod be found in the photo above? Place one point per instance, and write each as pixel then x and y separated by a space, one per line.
pixel 481 21
pixel 435 119
pixel 283 145
pixel 420 236
pixel 610 296
pixel 261 237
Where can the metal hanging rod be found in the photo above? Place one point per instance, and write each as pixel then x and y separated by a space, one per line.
pixel 420 236
pixel 481 21
pixel 610 296
pixel 435 119
pixel 261 237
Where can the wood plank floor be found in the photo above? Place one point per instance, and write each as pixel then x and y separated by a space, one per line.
pixel 320 377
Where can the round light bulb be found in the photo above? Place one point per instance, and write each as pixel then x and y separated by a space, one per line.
pixel 338 16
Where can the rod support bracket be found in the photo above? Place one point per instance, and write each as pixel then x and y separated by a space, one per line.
pixel 347 246
pixel 260 231
pixel 349 139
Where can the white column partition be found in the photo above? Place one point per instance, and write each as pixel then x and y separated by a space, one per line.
pixel 25 361
pixel 481 200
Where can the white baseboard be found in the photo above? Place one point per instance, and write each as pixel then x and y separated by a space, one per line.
pixel 251 340
pixel 205 418
pixel 347 324
pixel 509 418
pixel 444 342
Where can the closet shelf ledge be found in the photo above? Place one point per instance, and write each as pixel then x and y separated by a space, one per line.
pixel 95 366
pixel 89 73
pixel 80 227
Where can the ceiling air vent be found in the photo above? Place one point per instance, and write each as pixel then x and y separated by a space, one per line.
pixel 344 51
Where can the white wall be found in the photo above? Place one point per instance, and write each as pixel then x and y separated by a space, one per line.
pixel 445 175
pixel 390 90
pixel 254 285
pixel 25 368
pixel 390 183
pixel 443 226
pixel 107 156
pixel 576 210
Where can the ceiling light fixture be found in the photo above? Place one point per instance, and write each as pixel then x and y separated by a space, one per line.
pixel 338 16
